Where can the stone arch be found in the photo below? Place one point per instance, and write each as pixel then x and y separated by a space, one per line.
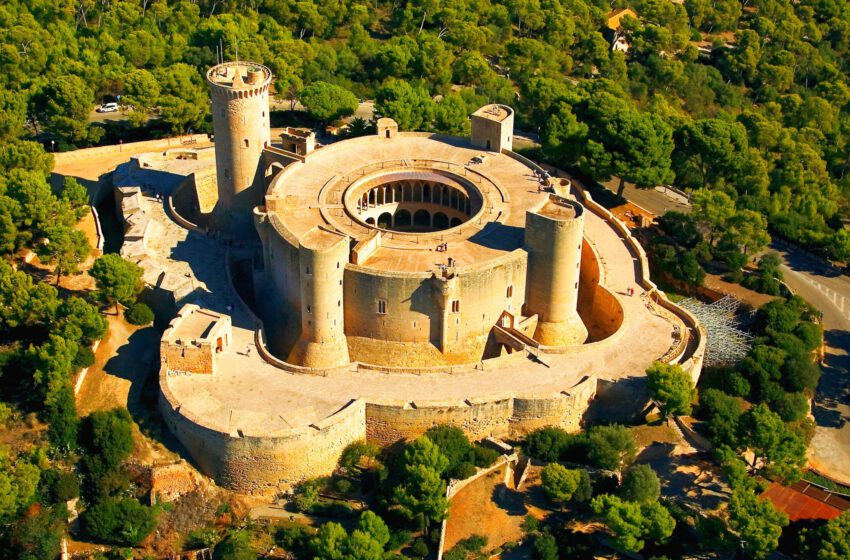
pixel 385 220
pixel 441 221
pixel 372 194
pixel 455 222
pixel 421 218
pixel 403 219
pixel 417 192
pixel 370 221
pixel 426 192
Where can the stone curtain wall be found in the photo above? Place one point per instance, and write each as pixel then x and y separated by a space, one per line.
pixel 509 416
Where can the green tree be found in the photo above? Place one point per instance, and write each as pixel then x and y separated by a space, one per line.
pixel 18 483
pixel 64 106
pixel 756 523
pixel 671 387
pixel 65 248
pixel 141 90
pixel 547 444
pixel 371 524
pixel 780 451
pixel 330 542
pixel 634 523
pixel 640 484
pixel 411 107
pixel 119 280
pixel 76 196
pixel 451 115
pixel 559 482
pixel 421 493
pixel 328 102
pixel 611 447
pixel 119 521
pixel 625 143
pixel 722 412
pixel 709 153
pixel 77 313
pixel 545 547
pixel 829 542
pixel 107 437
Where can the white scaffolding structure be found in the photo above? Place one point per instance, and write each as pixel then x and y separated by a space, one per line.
pixel 726 343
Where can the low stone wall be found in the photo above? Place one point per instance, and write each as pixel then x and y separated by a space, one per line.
pixel 134 147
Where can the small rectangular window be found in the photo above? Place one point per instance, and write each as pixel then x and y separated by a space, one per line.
pixel 456 306
pixel 307 270
pixel 510 291
pixel 309 310
pixel 382 307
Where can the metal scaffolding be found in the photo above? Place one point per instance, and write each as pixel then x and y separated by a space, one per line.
pixel 726 343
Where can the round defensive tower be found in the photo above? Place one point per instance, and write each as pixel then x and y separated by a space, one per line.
pixel 553 239
pixel 240 110
pixel 322 257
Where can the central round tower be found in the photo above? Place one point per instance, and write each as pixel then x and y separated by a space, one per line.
pixel 240 111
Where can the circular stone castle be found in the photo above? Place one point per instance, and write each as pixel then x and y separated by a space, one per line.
pixel 402 280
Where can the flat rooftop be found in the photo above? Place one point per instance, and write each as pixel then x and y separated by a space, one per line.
pixel 310 194
pixel 493 112
pixel 196 326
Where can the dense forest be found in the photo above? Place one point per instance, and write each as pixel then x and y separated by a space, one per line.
pixel 749 99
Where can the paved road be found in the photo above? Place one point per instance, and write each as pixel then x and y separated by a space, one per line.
pixel 830 292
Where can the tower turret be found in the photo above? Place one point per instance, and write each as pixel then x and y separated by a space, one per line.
pixel 553 239
pixel 240 111
pixel 322 257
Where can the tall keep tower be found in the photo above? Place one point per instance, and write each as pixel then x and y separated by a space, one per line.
pixel 240 110
pixel 553 239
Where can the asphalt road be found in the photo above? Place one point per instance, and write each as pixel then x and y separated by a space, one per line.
pixel 829 291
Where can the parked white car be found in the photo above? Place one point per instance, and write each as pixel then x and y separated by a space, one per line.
pixel 108 108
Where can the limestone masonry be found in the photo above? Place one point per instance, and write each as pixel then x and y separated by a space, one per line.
pixel 401 280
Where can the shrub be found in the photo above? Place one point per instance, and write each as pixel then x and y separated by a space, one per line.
pixel 547 444
pixel 464 471
pixel 58 486
pixel 545 547
pixel 139 314
pixel 530 524
pixel 419 548
pixel 398 539
pixel 640 484
pixel 201 538
pixel 342 485
pixel 306 496
pixel 84 358
pixel 484 456
pixel 119 521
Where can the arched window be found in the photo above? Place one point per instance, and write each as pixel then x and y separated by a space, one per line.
pixel 422 218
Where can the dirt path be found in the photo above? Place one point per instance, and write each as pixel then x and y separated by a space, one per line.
pixel 122 362
pixel 488 507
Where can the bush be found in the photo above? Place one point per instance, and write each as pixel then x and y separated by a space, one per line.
pixel 58 486
pixel 545 547
pixel 84 358
pixel 484 456
pixel 201 538
pixel 139 314
pixel 464 471
pixel 640 484
pixel 306 496
pixel 530 524
pixel 124 522
pixel 547 444
pixel 342 485
pixel 419 549
pixel 398 539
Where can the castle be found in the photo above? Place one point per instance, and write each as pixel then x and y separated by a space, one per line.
pixel 401 280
